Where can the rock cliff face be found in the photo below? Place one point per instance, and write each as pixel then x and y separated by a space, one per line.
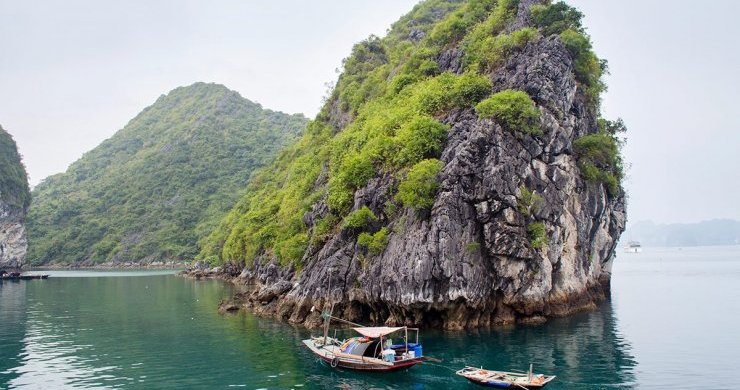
pixel 13 243
pixel 468 260
pixel 14 201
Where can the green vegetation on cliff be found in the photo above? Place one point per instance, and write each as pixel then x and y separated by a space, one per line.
pixel 375 243
pixel 418 188
pixel 537 235
pixel 599 157
pixel 360 218
pixel 515 110
pixel 385 118
pixel 13 180
pixel 150 191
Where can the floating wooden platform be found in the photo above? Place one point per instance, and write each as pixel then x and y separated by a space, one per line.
pixel 16 276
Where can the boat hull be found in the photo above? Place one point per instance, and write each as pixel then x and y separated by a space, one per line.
pixel 494 384
pixel 503 385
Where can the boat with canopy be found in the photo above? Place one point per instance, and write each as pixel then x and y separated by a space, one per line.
pixel 372 350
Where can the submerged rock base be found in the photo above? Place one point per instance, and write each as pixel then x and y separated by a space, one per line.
pixel 269 300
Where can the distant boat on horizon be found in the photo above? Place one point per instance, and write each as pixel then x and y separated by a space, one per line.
pixel 633 247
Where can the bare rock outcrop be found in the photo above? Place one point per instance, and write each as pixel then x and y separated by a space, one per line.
pixel 13 243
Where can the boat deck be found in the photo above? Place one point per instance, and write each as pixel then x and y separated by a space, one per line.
pixel 504 380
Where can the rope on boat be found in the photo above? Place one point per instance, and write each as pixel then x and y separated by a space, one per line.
pixel 343 320
pixel 600 385
pixel 439 365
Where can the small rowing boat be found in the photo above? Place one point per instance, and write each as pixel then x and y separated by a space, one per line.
pixel 505 380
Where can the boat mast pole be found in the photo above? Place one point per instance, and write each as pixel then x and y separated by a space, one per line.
pixel 406 338
pixel 327 316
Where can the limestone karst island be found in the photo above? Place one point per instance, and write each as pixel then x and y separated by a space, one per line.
pixel 460 175
pixel 450 218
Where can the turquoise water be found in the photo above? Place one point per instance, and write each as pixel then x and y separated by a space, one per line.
pixel 671 324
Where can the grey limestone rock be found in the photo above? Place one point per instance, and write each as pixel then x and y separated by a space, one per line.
pixel 13 243
pixel 468 262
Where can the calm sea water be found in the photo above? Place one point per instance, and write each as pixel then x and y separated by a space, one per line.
pixel 672 323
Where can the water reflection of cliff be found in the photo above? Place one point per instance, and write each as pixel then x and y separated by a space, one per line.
pixel 592 350
pixel 585 351
pixel 12 327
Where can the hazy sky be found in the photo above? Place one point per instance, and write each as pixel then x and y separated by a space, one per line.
pixel 73 72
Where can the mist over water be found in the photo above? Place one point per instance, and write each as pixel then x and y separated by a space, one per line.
pixel 669 325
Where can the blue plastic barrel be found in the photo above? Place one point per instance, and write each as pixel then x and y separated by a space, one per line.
pixel 412 347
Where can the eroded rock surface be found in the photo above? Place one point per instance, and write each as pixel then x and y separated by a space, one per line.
pixel 13 243
pixel 468 262
pixel 14 202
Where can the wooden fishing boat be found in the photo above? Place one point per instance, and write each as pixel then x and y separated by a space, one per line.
pixel 505 380
pixel 371 351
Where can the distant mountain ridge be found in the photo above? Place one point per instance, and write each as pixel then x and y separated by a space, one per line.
pixel 705 233
pixel 155 187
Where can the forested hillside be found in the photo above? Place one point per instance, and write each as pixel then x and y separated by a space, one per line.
pixel 150 191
